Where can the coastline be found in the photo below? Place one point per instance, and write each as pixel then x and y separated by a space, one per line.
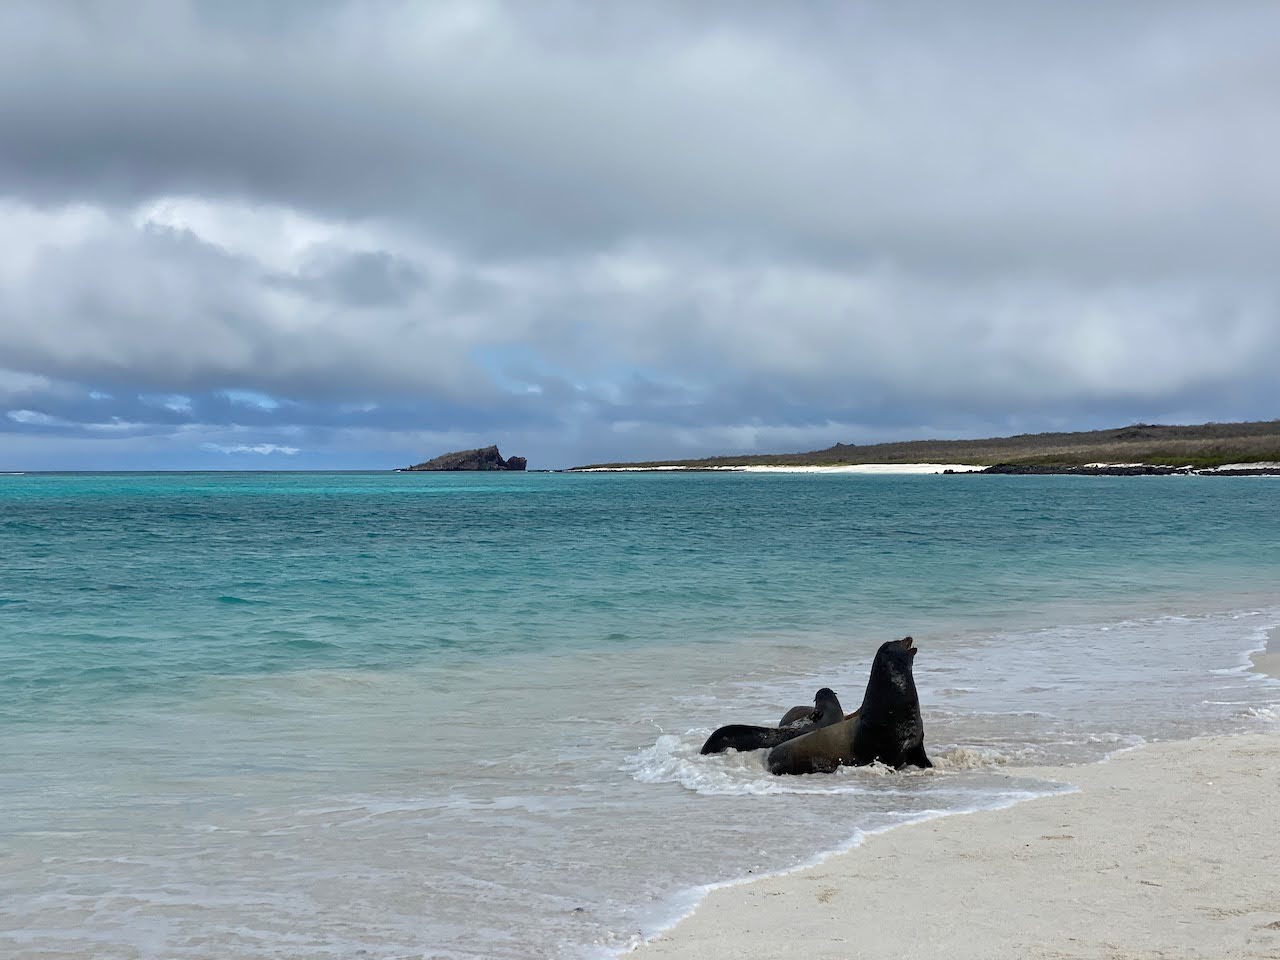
pixel 871 468
pixel 1267 660
pixel 1259 469
pixel 1154 854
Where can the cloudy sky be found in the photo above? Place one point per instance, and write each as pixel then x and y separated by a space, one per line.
pixel 310 234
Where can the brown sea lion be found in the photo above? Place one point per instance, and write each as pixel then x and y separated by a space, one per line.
pixel 887 727
pixel 740 736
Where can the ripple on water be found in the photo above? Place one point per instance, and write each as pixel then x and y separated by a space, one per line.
pixel 448 744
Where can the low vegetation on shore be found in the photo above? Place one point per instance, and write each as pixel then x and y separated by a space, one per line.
pixel 1201 446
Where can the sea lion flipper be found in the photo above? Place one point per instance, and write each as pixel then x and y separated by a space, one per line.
pixel 796 722
pixel 742 737
pixel 916 757
pixel 726 738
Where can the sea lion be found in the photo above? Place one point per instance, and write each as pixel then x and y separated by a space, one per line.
pixel 887 728
pixel 740 736
pixel 804 714
pixel 807 715
pixel 800 714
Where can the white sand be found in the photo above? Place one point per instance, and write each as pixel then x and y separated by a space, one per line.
pixel 884 468
pixel 1260 465
pixel 624 469
pixel 863 468
pixel 889 468
pixel 1168 851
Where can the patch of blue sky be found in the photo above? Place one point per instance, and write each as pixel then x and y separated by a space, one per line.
pixel 516 368
pixel 175 402
pixel 251 398
pixel 261 449
pixel 36 418
pixel 521 369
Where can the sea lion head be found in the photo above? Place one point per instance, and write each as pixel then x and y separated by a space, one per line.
pixel 899 649
pixel 826 708
pixel 893 665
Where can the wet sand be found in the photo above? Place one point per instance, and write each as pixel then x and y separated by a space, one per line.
pixel 1268 660
pixel 1166 851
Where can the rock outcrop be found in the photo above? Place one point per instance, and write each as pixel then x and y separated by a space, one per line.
pixel 485 458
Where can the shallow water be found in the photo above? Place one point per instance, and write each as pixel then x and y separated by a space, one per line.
pixel 390 715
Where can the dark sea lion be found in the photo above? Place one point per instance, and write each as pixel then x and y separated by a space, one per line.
pixel 740 736
pixel 800 714
pixel 803 714
pixel 824 711
pixel 887 728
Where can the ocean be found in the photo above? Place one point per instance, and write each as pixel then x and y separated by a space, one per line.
pixel 377 715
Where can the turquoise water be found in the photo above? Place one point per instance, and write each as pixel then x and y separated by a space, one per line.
pixel 406 712
pixel 122 585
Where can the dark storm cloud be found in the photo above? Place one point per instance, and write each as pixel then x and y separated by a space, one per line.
pixel 707 225
pixel 849 128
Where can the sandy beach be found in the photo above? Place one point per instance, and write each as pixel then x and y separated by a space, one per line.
pixel 905 469
pixel 1166 851
pixel 868 468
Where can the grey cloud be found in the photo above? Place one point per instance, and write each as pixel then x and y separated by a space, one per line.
pixel 361 279
pixel 594 226
pixel 162 310
pixel 1002 132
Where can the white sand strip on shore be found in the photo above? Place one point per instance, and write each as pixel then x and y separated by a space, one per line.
pixel 1168 851
pixel 885 468
pixel 863 468
pixel 625 469
pixel 1259 465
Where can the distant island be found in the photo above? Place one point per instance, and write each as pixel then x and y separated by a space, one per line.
pixel 483 458
pixel 1141 448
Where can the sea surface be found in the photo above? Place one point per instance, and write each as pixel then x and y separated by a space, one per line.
pixel 300 715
